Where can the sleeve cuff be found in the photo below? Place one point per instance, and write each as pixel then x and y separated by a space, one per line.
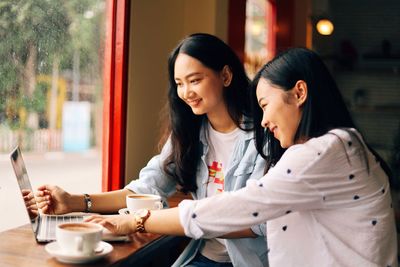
pixel 187 218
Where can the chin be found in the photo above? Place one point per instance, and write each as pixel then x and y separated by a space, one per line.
pixel 197 112
pixel 284 144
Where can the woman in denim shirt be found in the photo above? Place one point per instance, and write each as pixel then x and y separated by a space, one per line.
pixel 209 149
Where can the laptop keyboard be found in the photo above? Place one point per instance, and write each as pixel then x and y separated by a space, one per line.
pixel 49 223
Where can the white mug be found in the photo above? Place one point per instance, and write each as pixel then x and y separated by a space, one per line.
pixel 80 239
pixel 143 201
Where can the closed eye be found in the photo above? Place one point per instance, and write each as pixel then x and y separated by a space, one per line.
pixel 195 81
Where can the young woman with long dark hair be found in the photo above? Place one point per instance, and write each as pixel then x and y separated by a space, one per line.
pixel 210 149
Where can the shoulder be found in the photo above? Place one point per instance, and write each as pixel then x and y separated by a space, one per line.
pixel 346 139
pixel 333 148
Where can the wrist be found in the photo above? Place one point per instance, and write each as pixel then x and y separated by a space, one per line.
pixel 76 203
pixel 88 203
pixel 141 217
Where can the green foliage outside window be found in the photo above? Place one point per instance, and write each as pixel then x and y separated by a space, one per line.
pixel 49 37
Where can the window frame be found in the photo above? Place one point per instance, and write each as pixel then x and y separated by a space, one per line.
pixel 115 94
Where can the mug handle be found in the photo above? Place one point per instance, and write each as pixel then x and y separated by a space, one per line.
pixel 79 243
pixel 158 205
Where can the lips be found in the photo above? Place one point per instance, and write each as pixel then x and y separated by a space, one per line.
pixel 194 102
pixel 273 130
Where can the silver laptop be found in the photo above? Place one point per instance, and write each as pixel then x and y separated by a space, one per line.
pixel 44 225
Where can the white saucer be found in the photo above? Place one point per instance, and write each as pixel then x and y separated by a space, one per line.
pixel 54 250
pixel 123 211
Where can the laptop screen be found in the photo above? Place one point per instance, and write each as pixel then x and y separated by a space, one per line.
pixel 25 187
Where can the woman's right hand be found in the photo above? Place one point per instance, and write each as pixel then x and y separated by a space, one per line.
pixel 53 200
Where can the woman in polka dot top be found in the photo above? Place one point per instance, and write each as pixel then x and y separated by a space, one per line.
pixel 325 195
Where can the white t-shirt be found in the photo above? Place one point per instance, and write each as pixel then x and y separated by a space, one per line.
pixel 218 159
pixel 323 207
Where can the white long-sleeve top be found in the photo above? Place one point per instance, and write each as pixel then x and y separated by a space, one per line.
pixel 324 204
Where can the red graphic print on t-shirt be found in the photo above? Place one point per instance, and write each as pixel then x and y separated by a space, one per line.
pixel 216 176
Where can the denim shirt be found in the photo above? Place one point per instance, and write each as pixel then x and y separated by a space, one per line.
pixel 246 164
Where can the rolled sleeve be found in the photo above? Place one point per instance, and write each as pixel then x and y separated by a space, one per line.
pixel 187 218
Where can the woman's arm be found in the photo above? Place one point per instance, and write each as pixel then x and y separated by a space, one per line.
pixel 54 200
pixel 165 222
pixel 109 202
pixel 172 226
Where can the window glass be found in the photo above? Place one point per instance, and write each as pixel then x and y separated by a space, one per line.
pixel 259 35
pixel 51 67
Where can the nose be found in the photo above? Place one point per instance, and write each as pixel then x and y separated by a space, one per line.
pixel 264 121
pixel 186 91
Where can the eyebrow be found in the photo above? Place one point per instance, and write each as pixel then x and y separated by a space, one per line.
pixel 189 75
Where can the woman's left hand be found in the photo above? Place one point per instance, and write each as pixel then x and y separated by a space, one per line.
pixel 117 224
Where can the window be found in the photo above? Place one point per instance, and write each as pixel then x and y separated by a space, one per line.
pixel 57 67
pixel 259 34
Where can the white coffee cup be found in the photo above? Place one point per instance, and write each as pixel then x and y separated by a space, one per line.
pixel 80 239
pixel 143 201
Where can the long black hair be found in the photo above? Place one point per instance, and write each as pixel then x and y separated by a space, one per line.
pixel 323 110
pixel 184 125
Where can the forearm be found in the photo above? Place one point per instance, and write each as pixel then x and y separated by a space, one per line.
pixel 107 202
pixel 167 222
pixel 164 222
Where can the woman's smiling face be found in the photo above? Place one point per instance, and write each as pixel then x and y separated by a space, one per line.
pixel 282 110
pixel 200 87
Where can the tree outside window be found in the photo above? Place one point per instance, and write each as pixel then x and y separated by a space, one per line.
pixel 51 55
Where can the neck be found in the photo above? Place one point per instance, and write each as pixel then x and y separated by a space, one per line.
pixel 222 124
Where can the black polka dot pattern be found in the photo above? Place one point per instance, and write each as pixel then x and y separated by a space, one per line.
pixel 288 211
pixel 319 153
pixel 284 228
pixel 260 185
pixel 323 198
pixel 374 222
pixel 351 176
pixel 356 197
pixel 255 214
pixel 383 191
pixel 194 215
pixel 289 171
pixel 350 143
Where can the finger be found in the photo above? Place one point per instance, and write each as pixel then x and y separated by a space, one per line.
pixel 33 211
pixel 97 220
pixel 40 199
pixel 43 187
pixel 45 209
pixel 109 225
pixel 39 193
pixel 25 191
pixel 41 205
pixel 92 218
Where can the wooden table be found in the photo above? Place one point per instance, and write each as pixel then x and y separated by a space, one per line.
pixel 18 248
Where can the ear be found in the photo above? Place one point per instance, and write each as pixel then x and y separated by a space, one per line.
pixel 226 75
pixel 300 92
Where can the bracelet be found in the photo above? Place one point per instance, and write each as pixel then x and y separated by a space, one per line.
pixel 88 202
pixel 141 216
